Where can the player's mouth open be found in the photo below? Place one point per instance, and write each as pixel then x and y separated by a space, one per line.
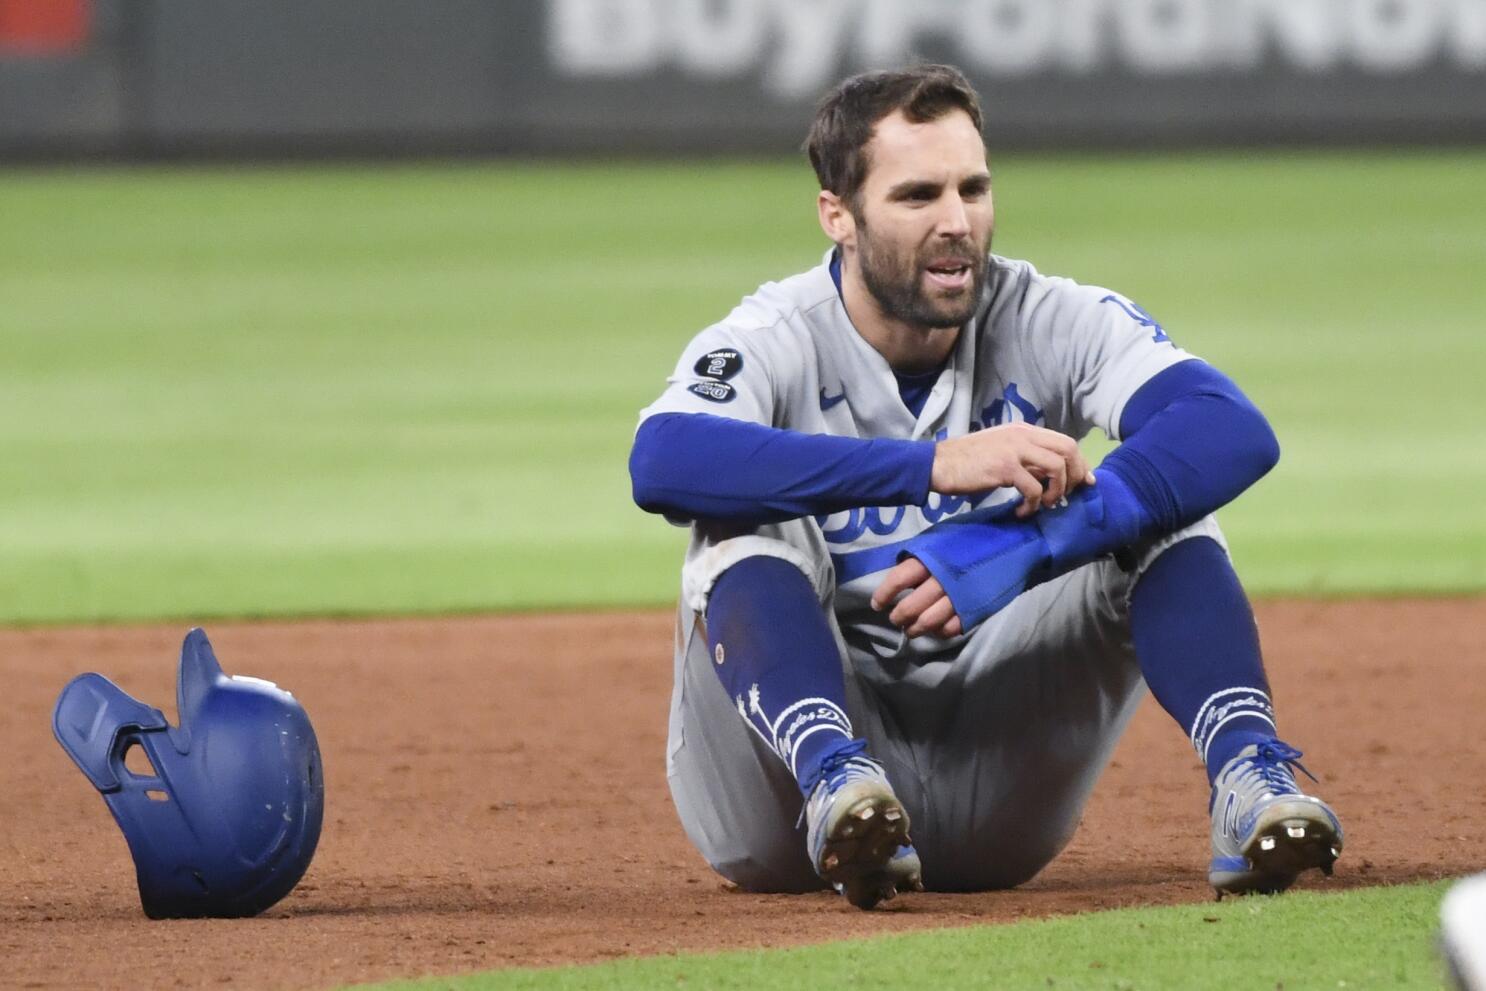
pixel 950 275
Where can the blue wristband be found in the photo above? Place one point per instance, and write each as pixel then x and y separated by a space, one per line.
pixel 984 560
pixel 1098 520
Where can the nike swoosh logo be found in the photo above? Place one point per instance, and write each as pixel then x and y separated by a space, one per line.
pixel 826 402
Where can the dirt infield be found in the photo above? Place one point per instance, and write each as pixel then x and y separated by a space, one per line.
pixel 497 796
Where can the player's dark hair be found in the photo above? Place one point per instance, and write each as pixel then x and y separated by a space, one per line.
pixel 847 116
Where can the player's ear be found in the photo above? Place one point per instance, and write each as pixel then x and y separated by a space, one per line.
pixel 835 217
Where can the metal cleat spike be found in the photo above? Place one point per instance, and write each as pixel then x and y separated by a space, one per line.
pixel 866 813
pixel 832 861
pixel 1296 832
pixel 1335 853
pixel 1267 843
pixel 893 815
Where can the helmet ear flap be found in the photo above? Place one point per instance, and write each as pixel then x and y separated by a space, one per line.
pixel 91 717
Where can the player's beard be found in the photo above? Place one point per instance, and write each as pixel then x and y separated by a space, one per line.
pixel 896 280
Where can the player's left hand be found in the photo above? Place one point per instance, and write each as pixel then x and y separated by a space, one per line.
pixel 926 610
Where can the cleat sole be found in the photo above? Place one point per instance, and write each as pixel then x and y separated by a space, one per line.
pixel 857 859
pixel 1288 839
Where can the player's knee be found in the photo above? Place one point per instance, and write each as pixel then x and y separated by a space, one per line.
pixel 761 854
pixel 780 577
pixel 1205 532
pixel 753 552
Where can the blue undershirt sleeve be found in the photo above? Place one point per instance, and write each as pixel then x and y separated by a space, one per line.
pixel 696 466
pixel 1193 443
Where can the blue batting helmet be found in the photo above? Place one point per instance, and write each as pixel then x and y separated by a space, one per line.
pixel 227 822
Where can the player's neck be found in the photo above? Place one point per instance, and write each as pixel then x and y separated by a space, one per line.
pixel 908 347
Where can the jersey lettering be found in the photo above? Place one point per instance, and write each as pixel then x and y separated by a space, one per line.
pixel 1011 408
pixel 940 507
pixel 1139 315
pixel 859 521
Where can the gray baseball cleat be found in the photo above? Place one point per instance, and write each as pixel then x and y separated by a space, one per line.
pixel 1265 830
pixel 857 831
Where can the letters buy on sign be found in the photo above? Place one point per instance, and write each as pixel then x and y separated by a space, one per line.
pixel 803 45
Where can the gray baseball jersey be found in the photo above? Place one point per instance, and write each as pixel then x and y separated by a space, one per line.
pixel 1039 349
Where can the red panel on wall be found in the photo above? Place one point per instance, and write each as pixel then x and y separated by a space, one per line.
pixel 43 27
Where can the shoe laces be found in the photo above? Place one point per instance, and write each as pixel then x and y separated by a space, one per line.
pixel 839 768
pixel 842 766
pixel 1272 764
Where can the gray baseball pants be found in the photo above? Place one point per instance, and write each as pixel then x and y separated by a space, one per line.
pixel 993 749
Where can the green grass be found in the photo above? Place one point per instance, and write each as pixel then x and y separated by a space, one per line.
pixel 1369 938
pixel 342 390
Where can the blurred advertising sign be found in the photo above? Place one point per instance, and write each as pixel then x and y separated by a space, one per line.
pixel 43 27
pixel 62 77
pixel 798 47
pixel 1052 72
pixel 144 78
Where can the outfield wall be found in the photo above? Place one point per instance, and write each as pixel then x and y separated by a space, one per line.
pixel 145 78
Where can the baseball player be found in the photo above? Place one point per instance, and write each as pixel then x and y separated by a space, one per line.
pixel 907 598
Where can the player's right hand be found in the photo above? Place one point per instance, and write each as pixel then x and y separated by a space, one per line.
pixel 1015 454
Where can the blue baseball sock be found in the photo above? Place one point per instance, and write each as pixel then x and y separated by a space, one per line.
pixel 1198 648
pixel 773 650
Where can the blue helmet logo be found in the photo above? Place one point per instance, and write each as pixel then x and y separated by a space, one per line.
pixel 227 820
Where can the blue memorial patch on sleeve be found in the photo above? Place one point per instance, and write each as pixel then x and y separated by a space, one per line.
pixel 715 392
pixel 722 364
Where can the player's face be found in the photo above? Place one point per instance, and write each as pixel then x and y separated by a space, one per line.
pixel 924 219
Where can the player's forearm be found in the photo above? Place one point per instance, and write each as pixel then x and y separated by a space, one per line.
pixel 1193 443
pixel 985 559
pixel 696 466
